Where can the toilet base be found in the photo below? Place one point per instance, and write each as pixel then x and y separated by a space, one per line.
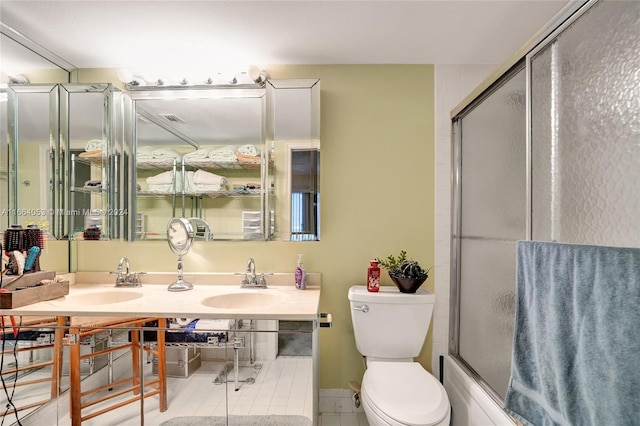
pixel 375 418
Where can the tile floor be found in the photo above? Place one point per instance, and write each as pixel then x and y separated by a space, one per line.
pixel 328 419
pixel 282 386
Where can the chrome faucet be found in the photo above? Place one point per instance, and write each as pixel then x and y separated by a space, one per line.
pixel 251 271
pixel 128 279
pixel 249 277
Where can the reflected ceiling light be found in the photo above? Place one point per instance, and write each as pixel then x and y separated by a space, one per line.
pixel 257 75
pixel 127 77
pixel 18 79
pixel 225 78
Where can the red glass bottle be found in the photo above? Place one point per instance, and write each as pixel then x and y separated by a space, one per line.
pixel 373 276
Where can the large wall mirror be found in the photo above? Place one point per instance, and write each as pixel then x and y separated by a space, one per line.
pixel 245 160
pixel 200 153
pixel 26 194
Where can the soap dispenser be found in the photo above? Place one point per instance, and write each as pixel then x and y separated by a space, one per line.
pixel 300 275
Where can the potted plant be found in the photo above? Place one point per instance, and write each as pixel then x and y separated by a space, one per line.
pixel 407 274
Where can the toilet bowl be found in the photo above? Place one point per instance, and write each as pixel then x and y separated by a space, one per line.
pixel 403 393
pixel 389 329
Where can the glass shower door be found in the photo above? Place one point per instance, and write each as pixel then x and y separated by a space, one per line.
pixel 564 170
pixel 492 217
pixel 586 130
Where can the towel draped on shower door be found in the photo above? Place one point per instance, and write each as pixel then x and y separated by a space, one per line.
pixel 576 355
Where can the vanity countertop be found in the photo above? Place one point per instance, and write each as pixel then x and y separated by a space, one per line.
pixel 213 296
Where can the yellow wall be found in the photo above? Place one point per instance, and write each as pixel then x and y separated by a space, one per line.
pixel 377 191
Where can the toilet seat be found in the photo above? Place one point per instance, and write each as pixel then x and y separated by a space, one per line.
pixel 404 393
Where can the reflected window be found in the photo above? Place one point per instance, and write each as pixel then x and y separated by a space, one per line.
pixel 305 195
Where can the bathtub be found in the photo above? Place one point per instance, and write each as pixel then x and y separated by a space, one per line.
pixel 471 405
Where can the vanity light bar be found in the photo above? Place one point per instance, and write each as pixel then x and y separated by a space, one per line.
pixel 253 78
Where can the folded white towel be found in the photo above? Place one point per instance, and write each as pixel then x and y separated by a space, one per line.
pixel 224 153
pixel 199 188
pixel 248 150
pixel 162 178
pixel 96 144
pixel 164 188
pixel 208 178
pixel 144 153
pixel 198 154
pixel 215 324
pixel 188 185
pixel 168 153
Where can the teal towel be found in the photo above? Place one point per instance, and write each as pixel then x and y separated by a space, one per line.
pixel 576 355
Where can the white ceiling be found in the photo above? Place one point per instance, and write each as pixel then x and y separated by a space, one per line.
pixel 164 34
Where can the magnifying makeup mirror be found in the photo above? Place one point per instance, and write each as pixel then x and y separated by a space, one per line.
pixel 180 236
pixel 202 230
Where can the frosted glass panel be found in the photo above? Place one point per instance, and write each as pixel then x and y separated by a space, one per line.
pixel 493 164
pixel 493 218
pixel 487 309
pixel 586 130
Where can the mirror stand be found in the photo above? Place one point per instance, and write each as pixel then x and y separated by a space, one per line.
pixel 180 284
pixel 180 237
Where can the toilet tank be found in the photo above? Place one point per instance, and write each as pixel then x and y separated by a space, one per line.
pixel 394 325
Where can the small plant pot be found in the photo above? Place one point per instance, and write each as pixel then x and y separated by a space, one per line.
pixel 408 285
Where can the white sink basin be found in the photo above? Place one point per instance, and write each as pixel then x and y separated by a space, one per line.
pixel 103 297
pixel 246 300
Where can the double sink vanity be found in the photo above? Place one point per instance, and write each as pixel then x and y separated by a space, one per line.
pixel 250 339
pixel 213 296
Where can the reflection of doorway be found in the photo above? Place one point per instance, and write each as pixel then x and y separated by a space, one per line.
pixel 304 175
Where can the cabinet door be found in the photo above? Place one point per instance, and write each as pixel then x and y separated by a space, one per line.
pixel 85 157
pixel 59 152
pixel 294 111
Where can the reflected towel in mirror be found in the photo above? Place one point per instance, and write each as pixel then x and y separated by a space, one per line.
pixel 208 178
pixel 167 153
pixel 144 153
pixel 97 153
pixel 223 154
pixel 248 150
pixel 198 154
pixel 162 178
pixel 95 144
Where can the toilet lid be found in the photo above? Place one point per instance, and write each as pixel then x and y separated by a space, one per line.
pixel 405 392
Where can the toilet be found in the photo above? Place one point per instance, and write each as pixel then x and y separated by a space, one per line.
pixel 390 328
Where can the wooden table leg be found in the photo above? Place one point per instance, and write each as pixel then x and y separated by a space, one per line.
pixel 74 377
pixel 162 365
